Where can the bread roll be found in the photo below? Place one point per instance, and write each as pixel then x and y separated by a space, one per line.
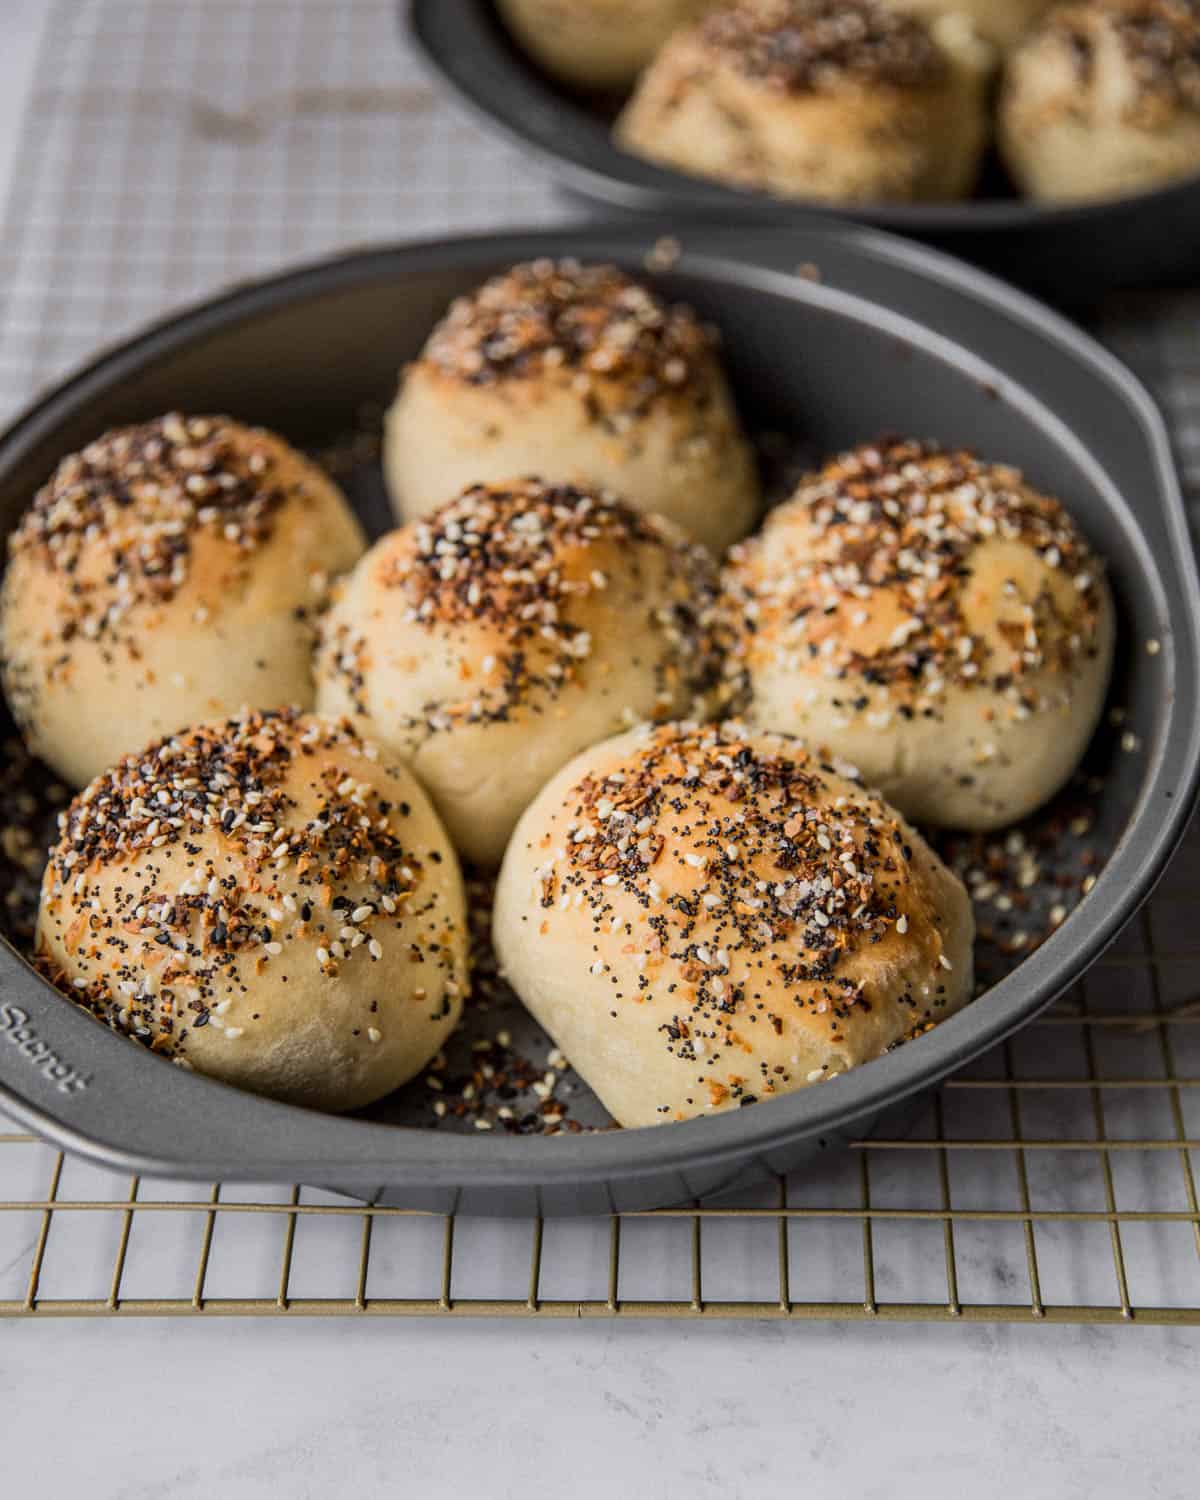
pixel 1001 22
pixel 575 373
pixel 1103 99
pixel 490 643
pixel 931 619
pixel 165 575
pixel 704 918
pixel 596 44
pixel 833 99
pixel 267 901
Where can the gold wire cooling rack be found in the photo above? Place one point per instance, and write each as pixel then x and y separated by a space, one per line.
pixel 1054 1181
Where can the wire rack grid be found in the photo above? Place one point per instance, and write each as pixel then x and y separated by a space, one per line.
pixel 181 147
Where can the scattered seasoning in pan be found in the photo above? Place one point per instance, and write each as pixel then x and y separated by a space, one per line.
pixel 349 453
pixel 1025 881
pixel 30 801
pixel 499 1071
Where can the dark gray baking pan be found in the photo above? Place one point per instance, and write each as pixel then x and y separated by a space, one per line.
pixel 1071 254
pixel 892 337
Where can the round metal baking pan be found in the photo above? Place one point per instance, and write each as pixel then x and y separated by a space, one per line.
pixel 1071 253
pixel 892 336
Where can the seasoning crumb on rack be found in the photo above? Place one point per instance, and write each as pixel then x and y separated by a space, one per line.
pixel 664 254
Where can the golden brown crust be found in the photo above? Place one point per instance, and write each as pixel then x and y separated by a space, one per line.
pixel 882 587
pixel 1159 39
pixel 933 620
pixel 1103 99
pixel 811 99
pixel 803 46
pixel 516 625
pixel 741 919
pixel 576 373
pixel 120 521
pixel 251 882
pixel 517 565
pixel 166 574
pixel 589 322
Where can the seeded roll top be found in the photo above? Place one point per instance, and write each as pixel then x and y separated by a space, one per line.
pixel 266 900
pixel 803 46
pixel 130 519
pixel 1159 40
pixel 709 916
pixel 908 590
pixel 882 545
pixel 145 557
pixel 580 374
pixel 590 323
pixel 546 614
pixel 609 339
pixel 1103 99
pixel 842 100
pixel 520 571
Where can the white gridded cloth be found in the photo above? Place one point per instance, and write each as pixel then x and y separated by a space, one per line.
pixel 173 146
pixel 185 145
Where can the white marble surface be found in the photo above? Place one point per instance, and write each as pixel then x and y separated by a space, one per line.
pixel 256 1408
pixel 171 1412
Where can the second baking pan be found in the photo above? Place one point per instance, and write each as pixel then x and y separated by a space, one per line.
pixel 1071 253
pixel 875 334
